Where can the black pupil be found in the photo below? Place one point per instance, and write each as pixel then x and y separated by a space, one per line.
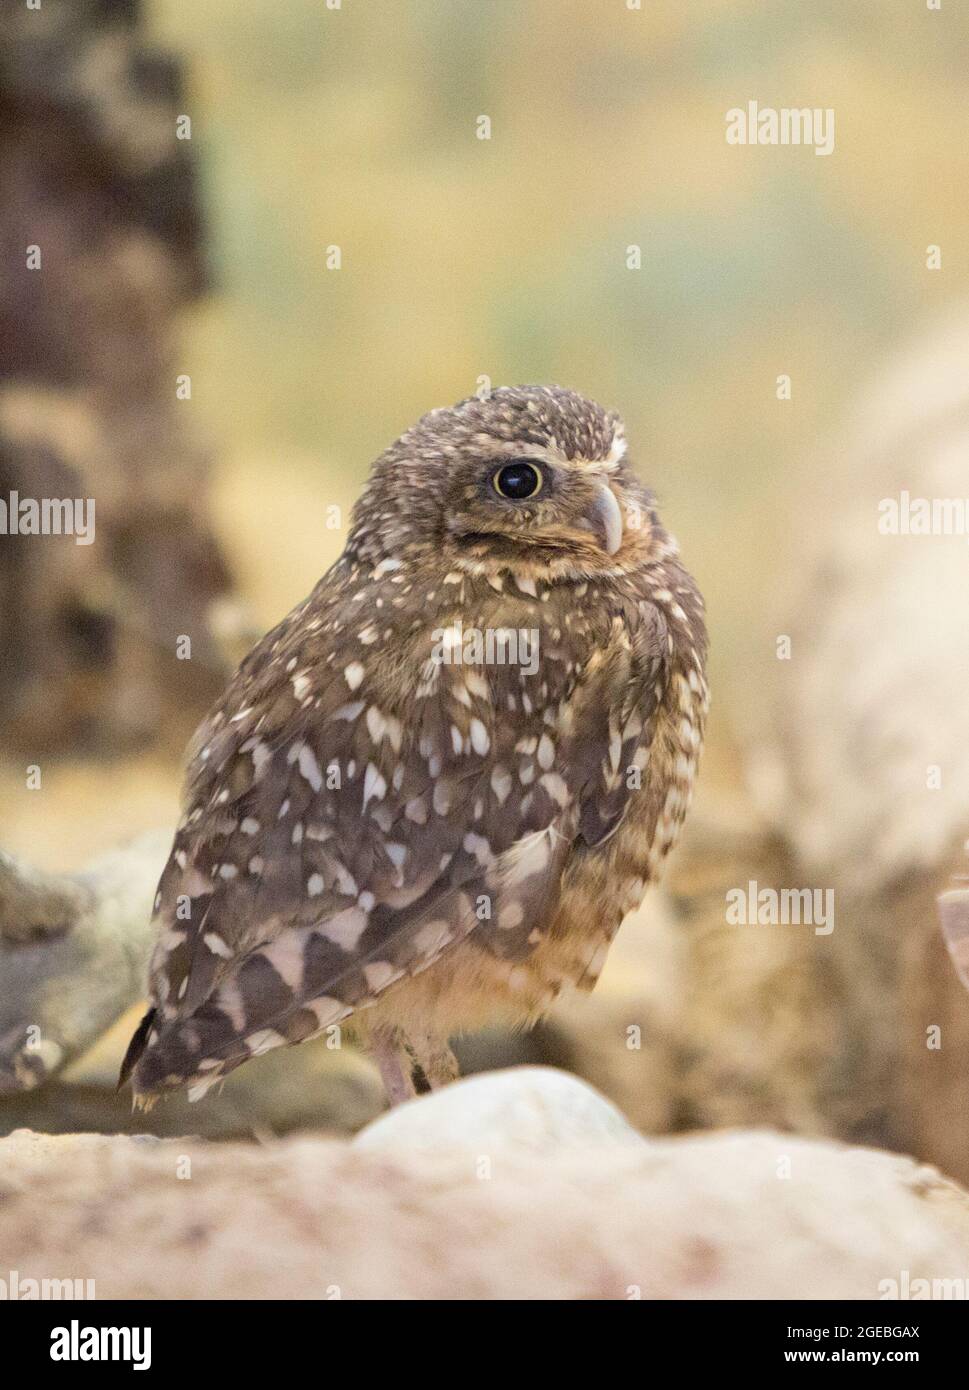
pixel 518 480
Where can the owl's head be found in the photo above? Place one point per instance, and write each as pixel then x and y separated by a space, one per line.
pixel 525 472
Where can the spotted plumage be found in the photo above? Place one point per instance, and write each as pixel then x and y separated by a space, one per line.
pixel 430 795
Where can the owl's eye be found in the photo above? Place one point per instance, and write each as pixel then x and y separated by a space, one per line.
pixel 516 481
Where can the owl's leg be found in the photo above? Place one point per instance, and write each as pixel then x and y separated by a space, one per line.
pixel 435 1059
pixel 393 1064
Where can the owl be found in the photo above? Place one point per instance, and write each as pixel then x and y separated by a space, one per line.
pixel 428 797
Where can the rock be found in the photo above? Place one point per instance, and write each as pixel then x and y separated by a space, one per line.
pixel 73 956
pixel 535 1109
pixel 491 1214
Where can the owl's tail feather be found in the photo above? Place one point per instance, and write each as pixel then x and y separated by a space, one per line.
pixel 136 1047
pixel 157 1060
pixel 140 1100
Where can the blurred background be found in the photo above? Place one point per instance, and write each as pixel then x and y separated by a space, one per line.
pixel 333 252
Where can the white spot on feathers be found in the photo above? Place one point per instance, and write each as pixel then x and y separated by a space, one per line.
pixel 432 938
pixel 479 847
pixel 228 998
pixel 379 974
pixel 510 915
pixel 264 1040
pixel 386 567
pixel 477 684
pixel 380 725
pixel 328 1010
pixel 374 785
pixel 346 928
pixel 201 1088
pixel 310 768
pixel 217 945
pixel 345 881
pixel 500 783
pixel 527 856
pixel 261 755
pixel 556 788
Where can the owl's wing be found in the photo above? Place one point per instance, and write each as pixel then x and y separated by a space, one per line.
pixel 345 827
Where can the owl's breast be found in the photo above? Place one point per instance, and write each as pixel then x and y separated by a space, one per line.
pixel 602 884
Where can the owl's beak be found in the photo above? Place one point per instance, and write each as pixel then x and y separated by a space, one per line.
pixel 605 518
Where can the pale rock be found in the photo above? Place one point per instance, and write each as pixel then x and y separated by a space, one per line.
pixel 535 1109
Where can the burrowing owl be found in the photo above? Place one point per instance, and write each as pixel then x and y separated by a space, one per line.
pixel 430 795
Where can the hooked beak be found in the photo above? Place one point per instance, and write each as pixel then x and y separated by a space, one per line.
pixel 605 519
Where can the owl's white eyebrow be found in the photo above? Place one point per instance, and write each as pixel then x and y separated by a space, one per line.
pixel 510 448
